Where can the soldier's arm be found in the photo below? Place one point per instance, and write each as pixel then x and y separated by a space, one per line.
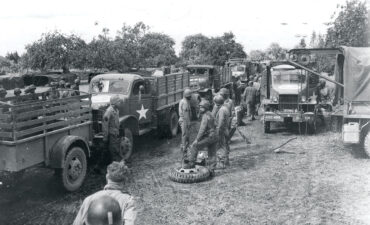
pixel 105 127
pixel 181 113
pixel 129 214
pixel 202 128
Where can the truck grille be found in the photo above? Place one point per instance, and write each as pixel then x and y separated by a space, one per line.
pixel 97 116
pixel 288 102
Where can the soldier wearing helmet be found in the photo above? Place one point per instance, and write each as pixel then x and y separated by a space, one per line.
pixel 17 95
pixel 206 137
pixel 111 136
pixel 249 100
pixel 76 86
pixel 222 129
pixel 30 92
pixel 184 120
pixel 101 207
pixel 61 87
pixel 3 93
pixel 53 92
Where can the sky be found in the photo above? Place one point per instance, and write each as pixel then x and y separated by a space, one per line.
pixel 256 24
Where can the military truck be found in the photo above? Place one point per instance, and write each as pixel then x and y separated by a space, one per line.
pixel 290 96
pixel 215 77
pixel 54 133
pixel 243 68
pixel 148 103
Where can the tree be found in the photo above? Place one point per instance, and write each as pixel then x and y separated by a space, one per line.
pixel 194 49
pixel 275 52
pixel 350 27
pixel 13 56
pixel 157 49
pixel 257 55
pixel 55 51
pixel 199 49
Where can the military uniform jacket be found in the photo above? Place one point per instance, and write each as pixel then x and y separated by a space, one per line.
pixel 125 201
pixel 184 110
pixel 230 105
pixel 207 126
pixel 250 94
pixel 222 120
pixel 110 123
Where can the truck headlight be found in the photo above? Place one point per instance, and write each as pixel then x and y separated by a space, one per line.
pixel 274 99
pixel 303 99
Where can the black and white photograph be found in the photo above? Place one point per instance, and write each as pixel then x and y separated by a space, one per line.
pixel 187 112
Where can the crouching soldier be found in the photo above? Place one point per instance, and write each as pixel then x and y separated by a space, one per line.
pixel 206 138
pixel 17 96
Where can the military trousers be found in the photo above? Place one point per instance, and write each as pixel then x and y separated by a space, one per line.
pixel 211 144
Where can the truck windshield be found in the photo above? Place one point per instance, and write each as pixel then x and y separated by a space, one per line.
pixel 279 79
pixel 110 86
pixel 237 69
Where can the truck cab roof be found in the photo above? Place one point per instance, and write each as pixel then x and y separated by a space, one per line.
pixel 117 76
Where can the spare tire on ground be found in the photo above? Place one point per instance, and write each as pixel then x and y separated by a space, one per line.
pixel 195 175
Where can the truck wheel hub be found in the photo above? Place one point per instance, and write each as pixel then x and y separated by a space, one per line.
pixel 75 168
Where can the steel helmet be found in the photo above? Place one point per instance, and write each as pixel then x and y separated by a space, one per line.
pixel 17 91
pixel 104 210
pixel 115 100
pixel 77 81
pixel 68 85
pixel 224 92
pixel 62 83
pixel 219 100
pixel 187 93
pixel 205 104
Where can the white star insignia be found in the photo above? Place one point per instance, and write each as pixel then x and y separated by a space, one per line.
pixel 142 112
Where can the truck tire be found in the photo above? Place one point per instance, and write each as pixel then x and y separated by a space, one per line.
pixel 367 144
pixel 267 127
pixel 177 175
pixel 130 138
pixel 173 126
pixel 73 173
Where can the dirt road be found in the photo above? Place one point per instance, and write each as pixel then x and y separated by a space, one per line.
pixel 316 181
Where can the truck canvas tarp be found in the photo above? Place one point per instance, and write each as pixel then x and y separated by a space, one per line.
pixel 356 74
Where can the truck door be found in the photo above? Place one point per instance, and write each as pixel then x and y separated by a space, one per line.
pixel 141 102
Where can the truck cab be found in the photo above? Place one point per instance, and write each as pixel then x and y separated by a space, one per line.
pixel 291 96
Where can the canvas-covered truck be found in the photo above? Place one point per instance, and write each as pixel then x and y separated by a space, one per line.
pixel 55 133
pixel 290 96
pixel 148 103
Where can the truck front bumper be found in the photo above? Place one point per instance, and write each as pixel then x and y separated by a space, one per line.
pixel 282 116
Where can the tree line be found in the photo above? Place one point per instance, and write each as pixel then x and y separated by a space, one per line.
pixel 138 47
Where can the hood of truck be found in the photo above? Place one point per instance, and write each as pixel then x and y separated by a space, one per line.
pixel 288 89
pixel 102 100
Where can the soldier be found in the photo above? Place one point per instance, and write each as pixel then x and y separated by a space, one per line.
pixel 3 93
pixel 61 87
pixel 184 120
pixel 237 94
pixel 230 105
pixel 30 92
pixel 249 98
pixel 222 130
pixel 76 86
pixel 206 138
pixel 54 93
pixel 117 177
pixel 17 95
pixel 110 126
pixel 257 86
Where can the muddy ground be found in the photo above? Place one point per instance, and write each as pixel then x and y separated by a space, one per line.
pixel 315 180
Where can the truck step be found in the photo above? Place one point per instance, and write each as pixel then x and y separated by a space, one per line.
pixel 144 131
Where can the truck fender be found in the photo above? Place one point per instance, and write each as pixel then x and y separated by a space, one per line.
pixel 130 122
pixel 61 147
